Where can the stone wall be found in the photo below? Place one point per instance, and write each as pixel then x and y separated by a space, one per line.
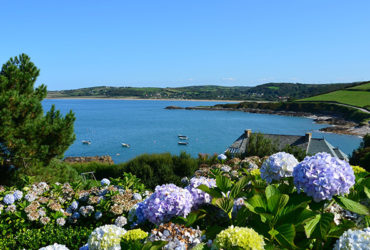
pixel 84 159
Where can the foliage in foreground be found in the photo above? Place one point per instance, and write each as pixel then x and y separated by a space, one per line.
pixel 309 205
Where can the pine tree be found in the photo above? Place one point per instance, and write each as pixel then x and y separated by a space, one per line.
pixel 27 135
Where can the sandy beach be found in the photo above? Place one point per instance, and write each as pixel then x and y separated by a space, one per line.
pixel 141 99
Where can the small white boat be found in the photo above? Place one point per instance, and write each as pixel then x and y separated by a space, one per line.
pixel 183 137
pixel 125 145
pixel 183 143
pixel 87 142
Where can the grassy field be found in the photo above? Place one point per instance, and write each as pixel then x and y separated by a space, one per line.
pixel 354 98
pixel 365 87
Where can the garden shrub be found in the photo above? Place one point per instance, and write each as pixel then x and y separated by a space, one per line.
pixel 152 169
pixel 56 171
pixel 72 237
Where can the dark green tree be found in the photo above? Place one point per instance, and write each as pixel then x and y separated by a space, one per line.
pixel 27 135
pixel 361 156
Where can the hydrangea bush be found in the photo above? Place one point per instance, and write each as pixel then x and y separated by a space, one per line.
pixel 165 203
pixel 278 166
pixel 322 176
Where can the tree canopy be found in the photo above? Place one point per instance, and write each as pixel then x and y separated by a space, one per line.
pixel 27 135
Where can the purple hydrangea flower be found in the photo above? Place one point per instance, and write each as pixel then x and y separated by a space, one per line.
pixel 166 202
pixel 105 182
pixel 323 176
pixel 18 195
pixel 199 196
pixel 9 199
pixel 278 166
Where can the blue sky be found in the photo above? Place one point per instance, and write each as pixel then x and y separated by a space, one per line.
pixel 188 42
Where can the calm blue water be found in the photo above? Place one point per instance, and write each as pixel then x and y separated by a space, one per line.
pixel 149 128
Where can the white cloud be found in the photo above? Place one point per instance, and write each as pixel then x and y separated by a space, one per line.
pixel 228 79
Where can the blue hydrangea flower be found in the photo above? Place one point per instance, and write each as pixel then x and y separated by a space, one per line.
pixel 354 239
pixel 105 182
pixel 199 196
pixel 76 215
pixel 166 202
pixel 278 166
pixel 9 199
pixel 98 215
pixel 323 176
pixel 18 195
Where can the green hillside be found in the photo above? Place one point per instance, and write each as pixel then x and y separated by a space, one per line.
pixel 264 92
pixel 358 96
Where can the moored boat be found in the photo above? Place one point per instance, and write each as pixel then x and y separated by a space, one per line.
pixel 183 143
pixel 125 145
pixel 87 142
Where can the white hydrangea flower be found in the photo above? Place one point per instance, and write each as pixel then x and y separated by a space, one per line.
pixel 226 168
pixel 105 182
pixel 107 237
pixel 353 240
pixel 120 221
pixel 278 166
pixel 61 222
pixel 55 247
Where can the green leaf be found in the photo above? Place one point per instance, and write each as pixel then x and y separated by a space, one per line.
pixel 367 192
pixel 319 226
pixel 337 231
pixel 259 184
pixel 273 203
pixel 224 203
pixel 211 191
pixel 238 187
pixel 276 203
pixel 256 201
pixel 156 245
pixel 310 225
pixel 352 206
pixel 270 191
pixel 223 183
pixel 286 235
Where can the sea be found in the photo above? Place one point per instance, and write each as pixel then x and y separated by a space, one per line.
pixel 150 128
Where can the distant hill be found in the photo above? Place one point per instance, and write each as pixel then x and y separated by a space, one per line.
pixel 358 96
pixel 264 92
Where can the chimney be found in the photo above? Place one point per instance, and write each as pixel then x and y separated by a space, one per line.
pixel 247 132
pixel 308 136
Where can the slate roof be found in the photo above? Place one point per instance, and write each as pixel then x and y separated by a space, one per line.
pixel 306 142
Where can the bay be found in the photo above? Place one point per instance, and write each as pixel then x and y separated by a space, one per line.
pixel 149 128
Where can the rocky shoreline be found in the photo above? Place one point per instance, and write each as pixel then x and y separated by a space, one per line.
pixel 338 124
